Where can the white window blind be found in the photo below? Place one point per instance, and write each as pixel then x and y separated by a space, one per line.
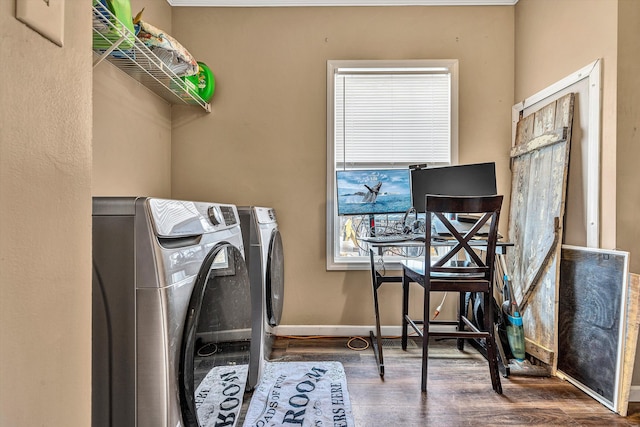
pixel 384 114
pixel 392 118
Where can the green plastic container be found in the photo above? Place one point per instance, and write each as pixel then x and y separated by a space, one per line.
pixel 120 11
pixel 515 335
pixel 203 84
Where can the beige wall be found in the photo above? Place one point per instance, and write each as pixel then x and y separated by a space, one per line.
pixel 131 126
pixel 554 39
pixel 628 153
pixel 628 125
pixel 45 222
pixel 270 65
pixel 265 141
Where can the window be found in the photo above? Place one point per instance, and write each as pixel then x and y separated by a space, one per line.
pixel 384 115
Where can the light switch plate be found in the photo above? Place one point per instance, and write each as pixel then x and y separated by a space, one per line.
pixel 43 16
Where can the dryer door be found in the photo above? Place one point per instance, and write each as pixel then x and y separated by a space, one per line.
pixel 214 355
pixel 274 287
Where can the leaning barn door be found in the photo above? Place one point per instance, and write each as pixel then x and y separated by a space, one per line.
pixel 539 165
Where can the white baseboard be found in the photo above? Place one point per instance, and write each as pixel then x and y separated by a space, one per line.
pixel 334 330
pixel 634 394
pixel 344 330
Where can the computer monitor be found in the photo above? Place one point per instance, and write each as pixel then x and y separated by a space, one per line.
pixel 373 191
pixel 477 179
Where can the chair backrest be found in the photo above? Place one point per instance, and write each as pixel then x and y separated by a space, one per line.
pixel 481 233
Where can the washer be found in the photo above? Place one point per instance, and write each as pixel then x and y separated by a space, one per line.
pixel 171 298
pixel 265 259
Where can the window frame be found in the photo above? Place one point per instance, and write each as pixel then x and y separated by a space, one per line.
pixel 333 260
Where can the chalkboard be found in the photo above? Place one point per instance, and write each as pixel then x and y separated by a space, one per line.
pixel 591 315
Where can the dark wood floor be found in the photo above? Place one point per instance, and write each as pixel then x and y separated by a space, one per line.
pixel 459 389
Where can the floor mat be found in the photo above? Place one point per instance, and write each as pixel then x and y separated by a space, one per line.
pixel 219 396
pixel 301 394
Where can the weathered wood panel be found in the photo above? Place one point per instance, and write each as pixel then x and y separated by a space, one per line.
pixel 541 141
pixel 540 159
pixel 630 342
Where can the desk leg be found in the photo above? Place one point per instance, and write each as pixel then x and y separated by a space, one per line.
pixel 377 351
pixel 405 310
pixel 376 340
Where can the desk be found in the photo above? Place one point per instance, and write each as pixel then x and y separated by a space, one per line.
pixel 378 280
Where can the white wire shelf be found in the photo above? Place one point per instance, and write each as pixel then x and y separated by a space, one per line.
pixel 118 45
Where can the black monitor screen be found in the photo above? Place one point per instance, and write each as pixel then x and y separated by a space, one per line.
pixel 373 191
pixel 477 179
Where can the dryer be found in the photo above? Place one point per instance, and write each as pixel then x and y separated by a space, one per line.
pixel 171 304
pixel 265 260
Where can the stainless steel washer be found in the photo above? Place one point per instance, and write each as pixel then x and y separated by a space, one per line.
pixel 169 280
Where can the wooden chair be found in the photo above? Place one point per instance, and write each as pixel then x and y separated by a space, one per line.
pixel 460 270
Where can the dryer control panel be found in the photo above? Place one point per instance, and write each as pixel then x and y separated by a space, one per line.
pixel 265 215
pixel 229 215
pixel 176 218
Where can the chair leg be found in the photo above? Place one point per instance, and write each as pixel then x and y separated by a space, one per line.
pixel 425 338
pixel 405 310
pixel 462 307
pixel 490 342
